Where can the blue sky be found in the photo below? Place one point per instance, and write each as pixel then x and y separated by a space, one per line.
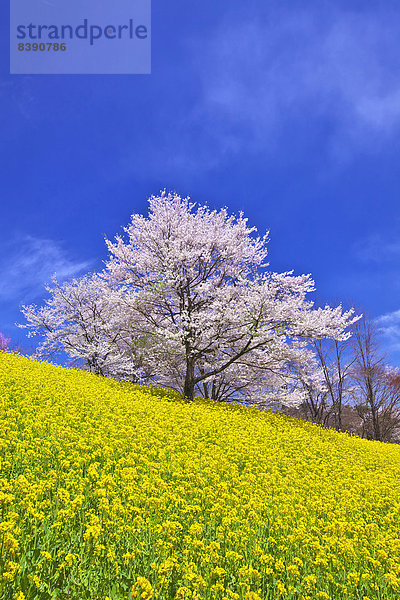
pixel 289 111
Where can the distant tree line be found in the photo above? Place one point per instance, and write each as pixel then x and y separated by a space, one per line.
pixel 360 391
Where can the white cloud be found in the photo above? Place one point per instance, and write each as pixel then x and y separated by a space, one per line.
pixel 376 248
pixel 27 264
pixel 389 325
pixel 261 77
pixel 280 84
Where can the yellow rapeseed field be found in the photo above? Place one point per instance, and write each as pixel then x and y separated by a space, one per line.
pixel 110 491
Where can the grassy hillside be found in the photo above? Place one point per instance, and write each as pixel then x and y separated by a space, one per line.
pixel 108 491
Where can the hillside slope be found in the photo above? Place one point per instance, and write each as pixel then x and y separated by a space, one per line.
pixel 110 491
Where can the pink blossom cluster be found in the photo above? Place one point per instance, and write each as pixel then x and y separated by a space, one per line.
pixel 4 342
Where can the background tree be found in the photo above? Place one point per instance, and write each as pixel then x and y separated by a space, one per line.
pixel 315 405
pixel 329 385
pixel 335 362
pixel 349 386
pixel 377 390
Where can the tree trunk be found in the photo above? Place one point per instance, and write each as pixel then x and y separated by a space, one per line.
pixel 188 390
pixel 339 415
pixel 375 423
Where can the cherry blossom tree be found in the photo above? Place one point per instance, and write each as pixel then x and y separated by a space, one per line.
pixel 79 319
pixel 187 301
pixel 4 342
pixel 260 377
pixel 197 282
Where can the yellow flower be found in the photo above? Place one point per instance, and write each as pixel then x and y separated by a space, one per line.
pixel 12 569
pixel 92 532
pixel 183 593
pixel 282 591
pixel 353 579
pixel 202 495
pixel 217 573
pixel 36 580
pixel 247 574
pixel 392 580
pixel 293 571
pixel 196 529
pixel 142 589
pixel 309 582
pixel 70 559
pixel 231 595
pixel 279 565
